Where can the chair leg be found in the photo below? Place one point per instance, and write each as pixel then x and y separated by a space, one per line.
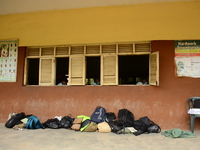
pixel 192 122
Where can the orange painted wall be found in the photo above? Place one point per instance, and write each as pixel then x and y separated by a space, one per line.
pixel 165 104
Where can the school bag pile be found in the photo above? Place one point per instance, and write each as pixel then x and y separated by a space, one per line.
pixel 99 121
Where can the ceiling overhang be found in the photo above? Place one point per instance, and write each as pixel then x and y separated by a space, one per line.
pixel 24 6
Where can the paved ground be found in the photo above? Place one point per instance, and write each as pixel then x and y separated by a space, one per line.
pixel 61 139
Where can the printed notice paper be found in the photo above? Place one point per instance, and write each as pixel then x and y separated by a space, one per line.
pixel 188 66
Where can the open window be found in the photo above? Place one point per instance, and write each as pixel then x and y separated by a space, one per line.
pixel 32 71
pixel 93 70
pixel 62 70
pixel 133 68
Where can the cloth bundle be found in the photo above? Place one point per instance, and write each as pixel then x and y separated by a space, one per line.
pixel 178 133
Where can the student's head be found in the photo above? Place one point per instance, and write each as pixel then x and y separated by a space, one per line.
pixel 64 82
pixel 144 80
pixel 96 80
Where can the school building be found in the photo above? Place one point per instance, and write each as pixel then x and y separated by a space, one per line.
pixel 117 44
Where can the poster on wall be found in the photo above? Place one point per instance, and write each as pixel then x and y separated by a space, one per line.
pixel 188 66
pixel 8 60
pixel 187 58
pixel 189 48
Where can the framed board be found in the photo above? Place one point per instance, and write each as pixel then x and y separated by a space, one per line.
pixel 8 60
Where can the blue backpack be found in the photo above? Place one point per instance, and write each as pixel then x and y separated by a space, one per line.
pixel 99 115
pixel 33 123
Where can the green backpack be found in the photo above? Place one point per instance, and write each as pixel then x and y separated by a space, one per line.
pixel 92 127
pixel 85 122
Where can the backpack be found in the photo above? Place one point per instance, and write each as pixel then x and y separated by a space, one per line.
pixel 115 126
pixel 151 127
pixel 66 122
pixel 15 120
pixel 52 123
pixel 140 126
pixel 33 123
pixel 99 115
pixel 91 128
pixel 126 118
pixel 85 122
pixel 144 124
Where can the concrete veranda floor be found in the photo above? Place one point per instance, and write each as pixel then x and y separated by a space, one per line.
pixel 56 139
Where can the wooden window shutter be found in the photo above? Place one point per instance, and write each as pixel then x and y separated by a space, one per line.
pixel 77 71
pixel 125 48
pixel 26 69
pixel 109 70
pixel 154 69
pixel 33 51
pixel 142 47
pixel 46 71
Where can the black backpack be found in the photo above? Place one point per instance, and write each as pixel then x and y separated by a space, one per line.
pixel 142 124
pixel 145 125
pixel 115 126
pixel 52 123
pixel 15 120
pixel 66 122
pixel 126 118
